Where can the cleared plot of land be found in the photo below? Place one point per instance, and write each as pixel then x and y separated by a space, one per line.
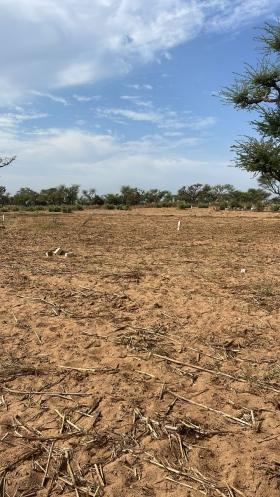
pixel 146 365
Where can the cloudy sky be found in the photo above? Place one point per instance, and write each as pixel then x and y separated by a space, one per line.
pixel 110 92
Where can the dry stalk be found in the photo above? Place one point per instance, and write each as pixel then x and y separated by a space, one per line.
pixel 219 373
pixel 207 408
pixel 48 464
pixel 49 394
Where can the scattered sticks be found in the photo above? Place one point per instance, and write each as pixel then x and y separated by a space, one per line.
pixel 219 373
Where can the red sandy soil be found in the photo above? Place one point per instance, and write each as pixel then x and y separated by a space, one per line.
pixel 145 365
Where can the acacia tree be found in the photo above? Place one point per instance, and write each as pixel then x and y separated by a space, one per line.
pixel 6 161
pixel 258 89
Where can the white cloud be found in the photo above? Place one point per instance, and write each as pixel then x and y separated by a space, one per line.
pixel 162 118
pixel 50 96
pixel 137 87
pixel 128 97
pixel 12 120
pixel 86 98
pixel 48 44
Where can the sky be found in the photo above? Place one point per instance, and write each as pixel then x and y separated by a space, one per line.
pixel 105 93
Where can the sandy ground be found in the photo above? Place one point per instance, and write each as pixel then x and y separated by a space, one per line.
pixel 145 365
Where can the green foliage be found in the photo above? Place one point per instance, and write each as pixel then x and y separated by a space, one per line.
pixel 258 89
pixel 257 156
pixel 155 197
pixel 202 205
pixel 123 207
pixel 131 196
pixel 201 195
pixel 275 207
pixel 67 210
pixel 222 206
pixel 190 193
pixel 112 199
pixel 181 204
pixel 54 208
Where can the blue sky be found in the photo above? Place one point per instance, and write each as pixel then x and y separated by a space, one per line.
pixel 110 92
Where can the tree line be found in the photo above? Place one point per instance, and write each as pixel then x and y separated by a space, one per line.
pixel 222 196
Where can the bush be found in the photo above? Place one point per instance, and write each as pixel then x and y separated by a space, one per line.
pixel 181 204
pixel 30 208
pixel 259 207
pixel 79 207
pixel 110 207
pixel 123 207
pixel 275 207
pixel 67 210
pixel 54 208
pixel 235 205
pixel 202 205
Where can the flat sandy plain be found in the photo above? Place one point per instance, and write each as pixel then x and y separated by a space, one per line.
pixel 148 363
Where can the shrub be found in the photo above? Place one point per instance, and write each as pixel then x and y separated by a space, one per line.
pixel 259 207
pixel 235 205
pixel 54 208
pixel 202 205
pixel 79 207
pixel 110 207
pixel 30 208
pixel 67 210
pixel 275 207
pixel 123 207
pixel 181 204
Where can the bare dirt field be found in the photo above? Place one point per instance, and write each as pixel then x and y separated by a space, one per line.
pixel 145 365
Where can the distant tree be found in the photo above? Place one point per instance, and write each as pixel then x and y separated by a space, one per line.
pixel 190 193
pixel 113 199
pixel 71 194
pixel 131 196
pixel 25 196
pixel 222 192
pixel 52 196
pixel 88 196
pixel 257 195
pixel 259 90
pixel 3 195
pixel 206 194
pixel 59 195
pixel 155 196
